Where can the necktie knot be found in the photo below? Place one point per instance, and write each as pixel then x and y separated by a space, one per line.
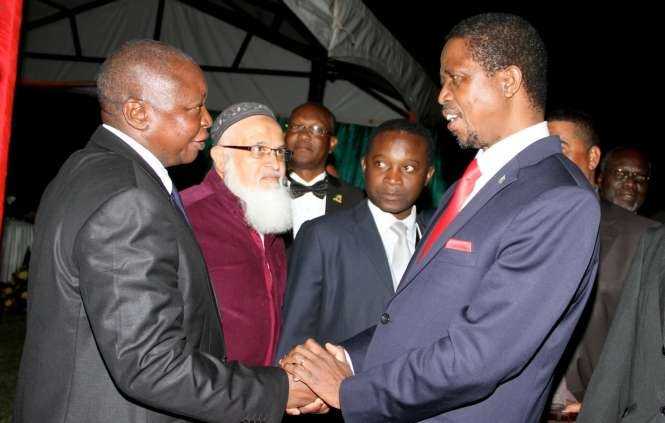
pixel 472 172
pixel 399 228
pixel 297 189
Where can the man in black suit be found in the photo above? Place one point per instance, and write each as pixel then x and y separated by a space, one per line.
pixel 311 137
pixel 122 326
pixel 344 267
pixel 620 233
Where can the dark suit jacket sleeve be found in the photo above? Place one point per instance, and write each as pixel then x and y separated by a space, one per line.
pixel 127 256
pixel 357 347
pixel 604 400
pixel 304 291
pixel 549 247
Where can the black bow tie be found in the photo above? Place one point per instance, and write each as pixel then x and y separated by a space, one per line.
pixel 298 190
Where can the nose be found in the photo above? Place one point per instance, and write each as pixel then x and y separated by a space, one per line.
pixel 206 120
pixel 444 94
pixel 630 183
pixel 303 134
pixel 393 176
pixel 273 161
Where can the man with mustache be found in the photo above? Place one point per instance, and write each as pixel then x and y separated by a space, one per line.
pixel 311 137
pixel 237 213
pixel 492 294
pixel 344 267
pixel 624 177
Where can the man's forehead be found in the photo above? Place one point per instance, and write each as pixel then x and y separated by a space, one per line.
pixel 310 112
pixel 630 159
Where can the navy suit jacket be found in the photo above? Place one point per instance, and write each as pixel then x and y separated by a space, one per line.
pixel 475 336
pixel 339 279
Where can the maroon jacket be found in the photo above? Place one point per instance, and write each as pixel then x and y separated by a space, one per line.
pixel 249 290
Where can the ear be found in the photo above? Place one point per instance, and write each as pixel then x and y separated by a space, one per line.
pixel 430 173
pixel 218 157
pixel 333 144
pixel 593 156
pixel 135 114
pixel 510 79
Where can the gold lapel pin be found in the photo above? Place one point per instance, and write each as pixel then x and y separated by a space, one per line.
pixel 338 198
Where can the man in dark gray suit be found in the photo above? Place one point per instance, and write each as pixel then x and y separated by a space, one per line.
pixel 629 380
pixel 344 267
pixel 122 325
pixel 620 232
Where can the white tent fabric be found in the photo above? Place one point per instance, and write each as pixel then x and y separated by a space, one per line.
pixel 207 39
pixel 351 33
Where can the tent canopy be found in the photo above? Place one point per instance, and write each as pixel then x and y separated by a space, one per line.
pixel 249 49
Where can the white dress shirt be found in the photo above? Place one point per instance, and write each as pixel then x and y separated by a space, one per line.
pixel 384 222
pixel 490 161
pixel 146 155
pixel 308 206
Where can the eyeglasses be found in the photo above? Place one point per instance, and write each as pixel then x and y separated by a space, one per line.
pixel 263 151
pixel 623 175
pixel 315 130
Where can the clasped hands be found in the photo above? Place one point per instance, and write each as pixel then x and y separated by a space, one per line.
pixel 315 376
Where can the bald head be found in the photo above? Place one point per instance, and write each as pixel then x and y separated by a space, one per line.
pixel 141 69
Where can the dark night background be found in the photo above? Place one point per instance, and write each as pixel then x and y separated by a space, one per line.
pixel 603 60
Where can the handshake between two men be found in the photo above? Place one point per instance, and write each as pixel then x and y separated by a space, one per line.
pixel 315 377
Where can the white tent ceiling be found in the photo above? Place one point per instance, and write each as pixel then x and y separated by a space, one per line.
pixel 250 50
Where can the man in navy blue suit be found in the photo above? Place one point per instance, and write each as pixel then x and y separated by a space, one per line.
pixel 494 290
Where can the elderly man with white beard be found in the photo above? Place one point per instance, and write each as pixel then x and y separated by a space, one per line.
pixel 236 214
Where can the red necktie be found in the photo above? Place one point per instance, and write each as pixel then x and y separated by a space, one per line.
pixel 462 191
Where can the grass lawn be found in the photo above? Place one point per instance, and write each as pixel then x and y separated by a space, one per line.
pixel 12 332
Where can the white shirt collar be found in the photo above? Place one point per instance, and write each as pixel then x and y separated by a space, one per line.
pixel 146 155
pixel 385 220
pixel 300 180
pixel 498 155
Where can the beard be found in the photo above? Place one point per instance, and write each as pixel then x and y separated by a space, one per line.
pixel 267 210
pixel 472 141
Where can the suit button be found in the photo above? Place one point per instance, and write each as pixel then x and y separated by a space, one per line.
pixel 385 318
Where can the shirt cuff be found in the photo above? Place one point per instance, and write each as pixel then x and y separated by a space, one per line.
pixel 349 362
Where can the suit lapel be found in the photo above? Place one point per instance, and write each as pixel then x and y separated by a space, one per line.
pixel 504 177
pixel 501 180
pixel 367 235
pixel 334 195
pixel 105 139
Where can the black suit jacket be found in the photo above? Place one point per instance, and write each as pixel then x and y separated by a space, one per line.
pixel 339 279
pixel 340 195
pixel 620 232
pixel 122 325
pixel 629 380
